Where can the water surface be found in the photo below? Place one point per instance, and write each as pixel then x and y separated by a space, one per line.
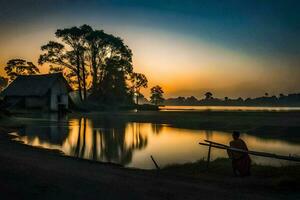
pixel 131 144
pixel 228 108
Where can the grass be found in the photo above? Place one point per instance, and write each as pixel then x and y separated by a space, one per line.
pixel 280 178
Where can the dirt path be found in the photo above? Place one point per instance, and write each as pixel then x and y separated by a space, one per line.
pixel 30 173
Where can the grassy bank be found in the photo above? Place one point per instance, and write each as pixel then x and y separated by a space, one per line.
pixel 284 178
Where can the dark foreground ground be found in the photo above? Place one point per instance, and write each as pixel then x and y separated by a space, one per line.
pixel 31 173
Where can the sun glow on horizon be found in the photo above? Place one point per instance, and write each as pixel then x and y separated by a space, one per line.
pixel 181 65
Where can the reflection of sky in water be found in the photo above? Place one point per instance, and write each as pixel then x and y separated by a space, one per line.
pixel 131 144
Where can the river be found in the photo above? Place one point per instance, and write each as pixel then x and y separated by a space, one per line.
pixel 132 143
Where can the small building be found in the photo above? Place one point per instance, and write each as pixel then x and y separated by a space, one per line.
pixel 47 92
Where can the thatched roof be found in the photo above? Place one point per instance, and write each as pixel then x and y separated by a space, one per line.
pixel 33 85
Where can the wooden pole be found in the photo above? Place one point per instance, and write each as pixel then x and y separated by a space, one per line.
pixel 156 165
pixel 256 153
pixel 215 143
pixel 208 156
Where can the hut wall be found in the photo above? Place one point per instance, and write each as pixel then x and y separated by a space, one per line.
pixel 36 102
pixel 59 95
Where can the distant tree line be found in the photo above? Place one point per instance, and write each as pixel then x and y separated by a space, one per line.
pixel 209 100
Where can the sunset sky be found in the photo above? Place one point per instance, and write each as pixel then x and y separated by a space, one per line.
pixel 232 48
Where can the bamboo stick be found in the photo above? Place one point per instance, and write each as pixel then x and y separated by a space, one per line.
pixel 256 153
pixel 215 143
pixel 156 165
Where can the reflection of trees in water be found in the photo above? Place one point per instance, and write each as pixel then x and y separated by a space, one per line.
pixel 46 132
pixel 79 148
pixel 139 141
pixel 208 134
pixel 156 128
pixel 112 142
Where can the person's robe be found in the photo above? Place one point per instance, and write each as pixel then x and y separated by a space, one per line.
pixel 240 161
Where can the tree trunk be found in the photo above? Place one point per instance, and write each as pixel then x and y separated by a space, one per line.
pixel 137 97
pixel 78 78
pixel 83 77
pixel 94 81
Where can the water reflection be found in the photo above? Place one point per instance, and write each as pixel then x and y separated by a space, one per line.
pixel 131 144
pixel 156 128
pixel 105 143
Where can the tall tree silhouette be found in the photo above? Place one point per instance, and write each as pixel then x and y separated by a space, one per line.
pixel 97 45
pixel 64 61
pixel 156 95
pixel 16 67
pixel 91 56
pixel 119 62
pixel 70 55
pixel 139 81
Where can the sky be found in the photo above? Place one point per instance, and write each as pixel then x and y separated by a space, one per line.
pixel 228 47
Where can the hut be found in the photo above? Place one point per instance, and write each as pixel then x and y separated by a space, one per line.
pixel 46 92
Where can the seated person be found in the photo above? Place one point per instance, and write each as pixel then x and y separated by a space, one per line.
pixel 240 161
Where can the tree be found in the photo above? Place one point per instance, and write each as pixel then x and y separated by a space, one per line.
pixel 139 81
pixel 156 95
pixel 97 44
pixel 266 94
pixel 74 37
pixel 16 67
pixel 208 95
pixel 3 83
pixel 113 89
pixel 191 100
pixel 102 50
pixel 64 61
pixel 70 55
pixel 92 59
pixel 114 72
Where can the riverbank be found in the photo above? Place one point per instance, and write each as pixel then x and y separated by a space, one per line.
pixel 279 178
pixel 32 173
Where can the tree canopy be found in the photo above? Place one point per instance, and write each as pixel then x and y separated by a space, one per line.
pixel 16 67
pixel 139 81
pixel 92 61
pixel 156 95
